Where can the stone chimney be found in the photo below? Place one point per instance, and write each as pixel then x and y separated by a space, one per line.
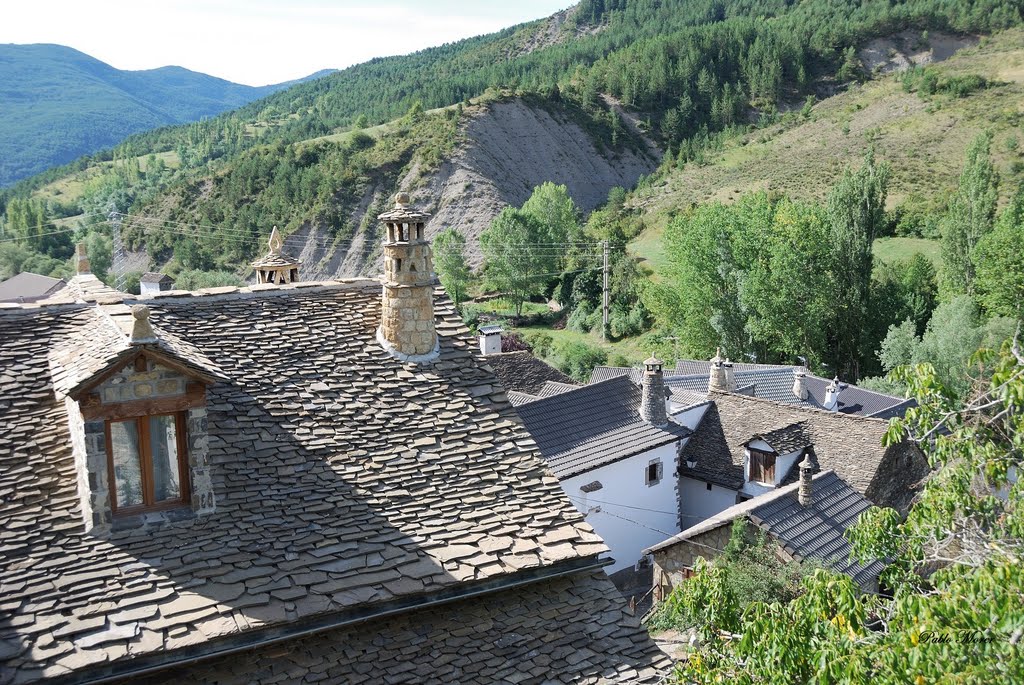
pixel 805 491
pixel 652 393
pixel 490 340
pixel 717 380
pixel 82 265
pixel 276 267
pixel 407 305
pixel 832 394
pixel 730 376
pixel 800 383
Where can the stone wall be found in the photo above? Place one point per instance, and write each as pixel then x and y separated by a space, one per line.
pixel 672 563
pixel 155 381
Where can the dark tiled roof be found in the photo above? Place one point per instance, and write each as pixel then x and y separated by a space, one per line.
pixel 848 444
pixel 155 277
pixel 518 398
pixel 788 439
pixel 554 388
pixel 603 373
pixel 594 425
pixel 345 481
pixel 696 367
pixel 522 372
pixel 583 638
pixel 28 287
pixel 816 531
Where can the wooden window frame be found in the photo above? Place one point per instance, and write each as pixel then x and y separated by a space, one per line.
pixel 146 465
pixel 766 467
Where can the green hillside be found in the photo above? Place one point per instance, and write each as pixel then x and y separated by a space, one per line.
pixel 57 104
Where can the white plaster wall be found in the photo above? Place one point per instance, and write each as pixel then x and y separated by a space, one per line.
pixel 698 503
pixel 690 417
pixel 627 513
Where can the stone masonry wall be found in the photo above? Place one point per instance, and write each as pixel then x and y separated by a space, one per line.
pixel 669 563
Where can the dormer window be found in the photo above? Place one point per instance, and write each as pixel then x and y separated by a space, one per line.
pixel 147 463
pixel 762 467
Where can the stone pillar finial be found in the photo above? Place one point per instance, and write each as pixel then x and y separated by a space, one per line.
pixel 142 330
pixel 82 265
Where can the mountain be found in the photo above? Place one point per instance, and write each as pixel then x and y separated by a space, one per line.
pixel 57 103
pixel 597 92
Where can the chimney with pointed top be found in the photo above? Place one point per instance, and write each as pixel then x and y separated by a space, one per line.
pixel 717 380
pixel 652 398
pixel 804 493
pixel 407 305
pixel 82 265
pixel 276 267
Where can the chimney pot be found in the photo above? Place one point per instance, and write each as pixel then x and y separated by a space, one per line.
pixel 490 340
pixel 832 394
pixel 142 330
pixel 717 379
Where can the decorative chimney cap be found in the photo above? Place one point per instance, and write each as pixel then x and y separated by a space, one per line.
pixel 82 265
pixel 653 361
pixel 401 213
pixel 142 330
pixel 717 359
pixel 276 257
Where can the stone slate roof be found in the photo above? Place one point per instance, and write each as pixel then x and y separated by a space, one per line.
pixel 28 287
pixel 586 638
pixel 789 438
pixel 593 426
pixel 816 531
pixel 85 288
pixel 848 444
pixel 347 484
pixel 522 372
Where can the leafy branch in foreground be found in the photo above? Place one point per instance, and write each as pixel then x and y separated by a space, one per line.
pixel 955 612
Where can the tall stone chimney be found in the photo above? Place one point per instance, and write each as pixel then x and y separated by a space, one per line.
pixel 730 376
pixel 407 304
pixel 82 265
pixel 804 493
pixel 717 380
pixel 800 383
pixel 652 397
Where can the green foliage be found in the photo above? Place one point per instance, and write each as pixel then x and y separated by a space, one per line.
pixel 971 213
pixel 999 263
pixel 450 263
pixel 960 623
pixel 928 81
pixel 513 259
pixel 577 359
pixel 192 279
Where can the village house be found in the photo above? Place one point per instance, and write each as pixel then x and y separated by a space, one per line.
pixel 287 483
pixel 29 287
pixel 801 521
pixel 615 451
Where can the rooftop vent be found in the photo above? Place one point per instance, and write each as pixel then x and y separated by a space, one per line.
pixel 276 267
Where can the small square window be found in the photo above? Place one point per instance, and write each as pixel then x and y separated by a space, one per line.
pixel 708 486
pixel 653 474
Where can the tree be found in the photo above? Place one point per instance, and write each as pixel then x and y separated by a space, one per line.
pixel 969 218
pixel 450 262
pixel 959 623
pixel 999 263
pixel 856 212
pixel 514 262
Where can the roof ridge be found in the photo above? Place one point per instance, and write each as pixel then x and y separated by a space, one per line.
pixel 861 388
pixel 798 407
pixel 588 386
pixel 254 290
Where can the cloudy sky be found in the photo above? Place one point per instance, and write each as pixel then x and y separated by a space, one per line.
pixel 257 41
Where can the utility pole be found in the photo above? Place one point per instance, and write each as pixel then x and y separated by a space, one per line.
pixel 604 293
pixel 118 256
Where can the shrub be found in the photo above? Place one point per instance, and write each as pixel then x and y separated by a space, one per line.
pixel 578 359
pixel 539 342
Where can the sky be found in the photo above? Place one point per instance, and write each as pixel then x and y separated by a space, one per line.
pixel 258 42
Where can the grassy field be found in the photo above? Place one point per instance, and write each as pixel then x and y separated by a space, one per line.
pixel 923 140
pixel 894 249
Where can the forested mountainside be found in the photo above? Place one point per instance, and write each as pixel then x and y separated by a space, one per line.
pixel 319 156
pixel 57 104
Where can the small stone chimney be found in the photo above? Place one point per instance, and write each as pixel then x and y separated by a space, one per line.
pixel 490 340
pixel 804 493
pixel 82 265
pixel 800 383
pixel 730 376
pixel 276 267
pixel 832 394
pixel 407 305
pixel 717 379
pixel 652 393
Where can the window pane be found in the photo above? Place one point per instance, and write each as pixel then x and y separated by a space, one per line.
pixel 124 442
pixel 163 439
